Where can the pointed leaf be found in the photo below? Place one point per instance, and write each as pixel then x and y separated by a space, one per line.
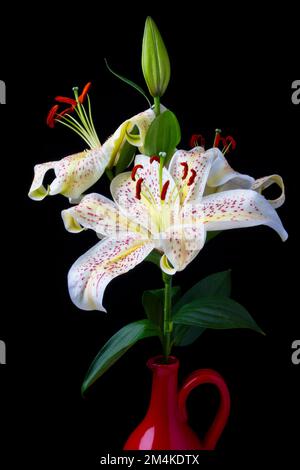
pixel 184 335
pixel 116 346
pixel 216 313
pixel 215 284
pixel 129 82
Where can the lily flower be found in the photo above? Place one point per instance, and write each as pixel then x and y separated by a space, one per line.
pixel 222 177
pixel 76 173
pixel 157 208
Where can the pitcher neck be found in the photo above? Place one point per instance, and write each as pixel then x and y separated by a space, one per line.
pixel 164 384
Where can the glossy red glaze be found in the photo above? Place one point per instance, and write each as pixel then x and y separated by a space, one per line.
pixel 165 425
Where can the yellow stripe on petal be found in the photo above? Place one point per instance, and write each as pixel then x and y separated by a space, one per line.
pixel 77 173
pixel 37 190
pixel 166 267
pixel 70 222
pixel 114 144
pixel 98 213
pixel 238 208
pixel 92 272
pixel 74 175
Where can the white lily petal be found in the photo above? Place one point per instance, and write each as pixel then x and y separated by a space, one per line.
pixel 264 183
pixel 182 243
pixel 37 190
pixel 236 209
pixel 91 273
pixel 113 146
pixel 70 222
pixel 74 175
pixel 223 177
pixel 100 214
pixel 149 209
pixel 198 163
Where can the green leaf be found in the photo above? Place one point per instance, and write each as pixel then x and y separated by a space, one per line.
pixel 218 284
pixel 127 154
pixel 184 335
pixel 154 257
pixel 216 313
pixel 153 303
pixel 129 82
pixel 155 60
pixel 212 235
pixel 163 135
pixel 116 346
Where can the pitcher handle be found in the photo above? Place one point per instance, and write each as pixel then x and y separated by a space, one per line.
pixel 207 376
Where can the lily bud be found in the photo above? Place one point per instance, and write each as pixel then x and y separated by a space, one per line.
pixel 155 60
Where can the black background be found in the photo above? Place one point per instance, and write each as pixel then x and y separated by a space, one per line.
pixel 226 73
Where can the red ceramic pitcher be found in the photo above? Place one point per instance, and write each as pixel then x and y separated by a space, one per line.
pixel 165 426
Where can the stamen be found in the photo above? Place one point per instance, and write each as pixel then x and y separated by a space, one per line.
pixel 154 158
pixel 164 190
pixel 84 92
pixel 217 138
pixel 134 170
pixel 64 99
pixel 82 124
pixel 51 116
pixel 185 169
pixel 232 143
pixel 65 111
pixel 192 178
pixel 196 140
pixel 138 188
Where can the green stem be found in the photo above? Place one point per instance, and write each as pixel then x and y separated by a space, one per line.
pixel 157 105
pixel 168 324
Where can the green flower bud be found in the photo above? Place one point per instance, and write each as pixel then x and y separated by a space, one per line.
pixel 155 60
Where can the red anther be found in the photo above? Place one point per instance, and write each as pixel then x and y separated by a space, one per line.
pixel 65 111
pixel 64 99
pixel 185 169
pixel 51 116
pixel 134 170
pixel 85 91
pixel 192 178
pixel 138 188
pixel 154 158
pixel 197 139
pixel 229 142
pixel 164 190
